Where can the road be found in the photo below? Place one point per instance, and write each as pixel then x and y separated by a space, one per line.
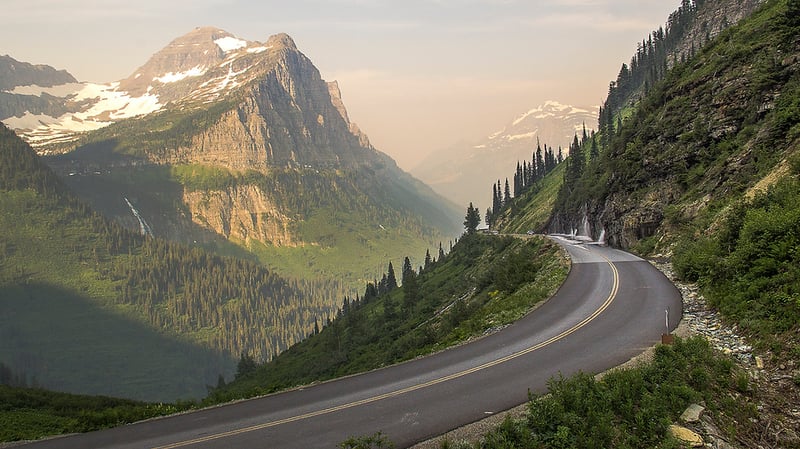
pixel 611 307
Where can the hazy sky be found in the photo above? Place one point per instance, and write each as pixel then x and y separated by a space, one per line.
pixel 416 75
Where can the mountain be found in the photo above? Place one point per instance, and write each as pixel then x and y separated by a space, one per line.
pixel 240 145
pixel 465 173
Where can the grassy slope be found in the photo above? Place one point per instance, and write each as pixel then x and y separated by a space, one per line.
pixel 30 413
pixel 497 279
pixel 60 324
pixel 533 209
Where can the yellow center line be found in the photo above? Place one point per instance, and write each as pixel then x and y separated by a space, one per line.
pixel 391 394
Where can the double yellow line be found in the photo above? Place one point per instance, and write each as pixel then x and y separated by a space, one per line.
pixel 391 394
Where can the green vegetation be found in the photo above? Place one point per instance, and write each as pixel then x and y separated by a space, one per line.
pixel 750 267
pixel 710 132
pixel 532 210
pixel 532 179
pixel 704 133
pixel 484 283
pixel 88 306
pixel 30 413
pixel 630 408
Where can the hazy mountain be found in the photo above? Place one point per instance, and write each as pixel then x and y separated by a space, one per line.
pixel 218 140
pixel 464 173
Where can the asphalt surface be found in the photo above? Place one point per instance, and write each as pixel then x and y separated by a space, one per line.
pixel 611 307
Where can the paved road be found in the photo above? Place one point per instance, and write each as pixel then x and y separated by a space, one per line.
pixel 611 307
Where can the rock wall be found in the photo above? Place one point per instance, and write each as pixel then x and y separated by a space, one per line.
pixel 242 213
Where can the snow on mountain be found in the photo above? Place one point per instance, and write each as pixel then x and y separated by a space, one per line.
pixel 200 67
pixel 465 173
pixel 99 106
pixel 230 43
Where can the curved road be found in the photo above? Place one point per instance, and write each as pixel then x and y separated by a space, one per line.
pixel 611 307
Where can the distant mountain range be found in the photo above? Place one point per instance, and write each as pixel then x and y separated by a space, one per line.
pixel 465 173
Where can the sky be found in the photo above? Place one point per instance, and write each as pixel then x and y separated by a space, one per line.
pixel 416 75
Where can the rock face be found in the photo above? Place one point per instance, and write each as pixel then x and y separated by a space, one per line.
pixel 14 73
pixel 27 88
pixel 713 17
pixel 242 213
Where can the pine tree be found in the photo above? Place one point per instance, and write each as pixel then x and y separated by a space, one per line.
pixel 246 365
pixel 506 195
pixel 391 279
pixel 428 260
pixel 473 218
pixel 594 152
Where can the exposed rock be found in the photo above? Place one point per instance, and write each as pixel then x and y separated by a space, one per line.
pixel 687 436
pixel 15 73
pixel 692 413
pixel 241 213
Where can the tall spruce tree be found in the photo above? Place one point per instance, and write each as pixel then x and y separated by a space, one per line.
pixel 473 218
pixel 391 279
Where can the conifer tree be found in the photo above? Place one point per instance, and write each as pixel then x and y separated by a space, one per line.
pixel 473 218
pixel 506 195
pixel 391 279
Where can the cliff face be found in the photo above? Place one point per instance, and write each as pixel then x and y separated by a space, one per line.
pixel 243 214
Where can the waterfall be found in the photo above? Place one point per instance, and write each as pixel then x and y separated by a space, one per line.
pixel 144 228
pixel 585 229
pixel 602 239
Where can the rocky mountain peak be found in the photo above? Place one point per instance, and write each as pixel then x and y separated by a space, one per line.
pixel 14 73
pixel 189 55
pixel 281 40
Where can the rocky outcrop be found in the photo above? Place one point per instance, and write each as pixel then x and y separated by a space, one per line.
pixel 713 17
pixel 241 213
pixel 685 146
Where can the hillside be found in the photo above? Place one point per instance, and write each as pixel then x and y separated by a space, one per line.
pixel 704 167
pixel 700 166
pixel 90 307
pixel 483 284
pixel 242 148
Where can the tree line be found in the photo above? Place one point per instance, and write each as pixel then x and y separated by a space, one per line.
pixel 527 177
pixel 228 304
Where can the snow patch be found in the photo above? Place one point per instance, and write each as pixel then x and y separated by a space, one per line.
pixel 258 49
pixel 230 43
pixel 497 134
pixel 171 77
pixel 109 105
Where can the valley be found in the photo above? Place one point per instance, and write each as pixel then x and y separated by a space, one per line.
pixel 214 228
